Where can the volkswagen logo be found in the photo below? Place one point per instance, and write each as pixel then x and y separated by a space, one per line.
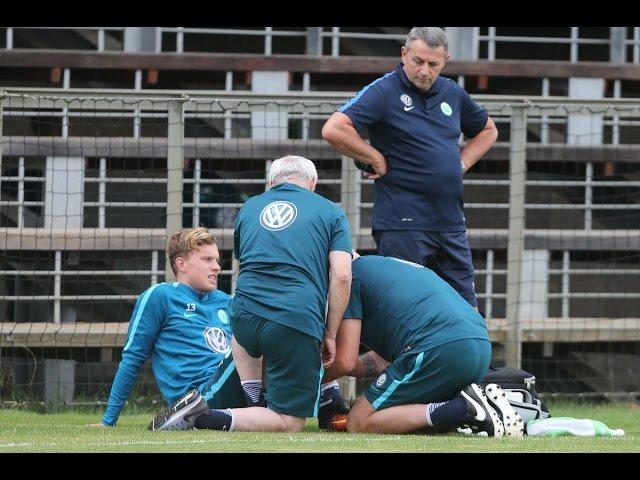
pixel 278 215
pixel 406 99
pixel 216 339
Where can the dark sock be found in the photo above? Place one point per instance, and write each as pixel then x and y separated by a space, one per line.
pixel 215 420
pixel 332 396
pixel 327 395
pixel 448 413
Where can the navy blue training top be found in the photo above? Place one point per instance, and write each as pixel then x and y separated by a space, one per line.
pixel 418 134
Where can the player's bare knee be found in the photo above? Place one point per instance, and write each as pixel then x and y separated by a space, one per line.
pixel 292 424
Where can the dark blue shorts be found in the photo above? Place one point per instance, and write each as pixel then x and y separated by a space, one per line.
pixel 446 253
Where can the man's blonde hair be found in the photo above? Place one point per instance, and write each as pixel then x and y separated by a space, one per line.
pixel 185 241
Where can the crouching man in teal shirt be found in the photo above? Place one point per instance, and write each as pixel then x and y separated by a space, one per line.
pixel 429 347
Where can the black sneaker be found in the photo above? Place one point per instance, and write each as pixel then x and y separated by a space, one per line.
pixel 332 414
pixel 512 421
pixel 482 419
pixel 183 414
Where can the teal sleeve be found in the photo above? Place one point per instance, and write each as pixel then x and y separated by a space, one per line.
pixel 144 328
pixel 341 238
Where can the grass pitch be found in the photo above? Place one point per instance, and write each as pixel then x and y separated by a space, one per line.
pixel 28 431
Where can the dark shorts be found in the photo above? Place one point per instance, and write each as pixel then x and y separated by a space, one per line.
pixel 435 375
pixel 446 253
pixel 223 389
pixel 291 359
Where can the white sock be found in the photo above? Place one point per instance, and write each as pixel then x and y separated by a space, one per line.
pixel 427 414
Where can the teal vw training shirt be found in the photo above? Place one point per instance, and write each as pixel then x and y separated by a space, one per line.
pixel 187 334
pixel 404 306
pixel 283 238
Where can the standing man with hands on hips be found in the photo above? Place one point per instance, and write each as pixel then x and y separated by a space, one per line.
pixel 414 119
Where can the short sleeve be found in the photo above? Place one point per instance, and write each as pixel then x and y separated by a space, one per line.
pixel 341 235
pixel 473 118
pixel 366 108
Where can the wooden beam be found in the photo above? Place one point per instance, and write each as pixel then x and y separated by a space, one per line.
pixel 574 330
pixel 487 238
pixel 145 239
pixel 43 334
pixel 84 239
pixel 156 147
pixel 305 63
pixel 113 334
pixel 151 147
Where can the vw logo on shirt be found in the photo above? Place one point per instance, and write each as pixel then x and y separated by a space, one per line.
pixel 446 109
pixel 216 339
pixel 278 215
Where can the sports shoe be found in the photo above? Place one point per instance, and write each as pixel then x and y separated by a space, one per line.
pixel 183 414
pixel 512 421
pixel 482 419
pixel 332 414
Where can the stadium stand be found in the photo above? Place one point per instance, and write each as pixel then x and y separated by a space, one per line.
pixel 97 122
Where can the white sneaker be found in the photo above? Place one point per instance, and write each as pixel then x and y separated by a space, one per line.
pixel 512 421
pixel 482 419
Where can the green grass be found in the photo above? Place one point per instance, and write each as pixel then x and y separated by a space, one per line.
pixel 28 431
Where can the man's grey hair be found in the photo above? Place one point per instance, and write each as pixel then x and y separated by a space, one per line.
pixel 433 36
pixel 291 166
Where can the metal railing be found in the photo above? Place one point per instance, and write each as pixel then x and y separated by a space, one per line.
pixel 98 34
pixel 180 200
pixel 492 39
pixel 574 40
pixel 268 33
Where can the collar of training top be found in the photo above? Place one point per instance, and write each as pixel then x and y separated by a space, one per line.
pixel 435 88
pixel 196 294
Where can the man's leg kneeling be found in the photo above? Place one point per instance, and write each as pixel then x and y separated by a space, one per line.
pixel 293 424
pixel 358 417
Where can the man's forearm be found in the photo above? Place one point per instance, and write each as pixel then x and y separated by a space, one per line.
pixel 345 139
pixel 477 146
pixel 339 289
pixel 369 364
pixel 358 149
